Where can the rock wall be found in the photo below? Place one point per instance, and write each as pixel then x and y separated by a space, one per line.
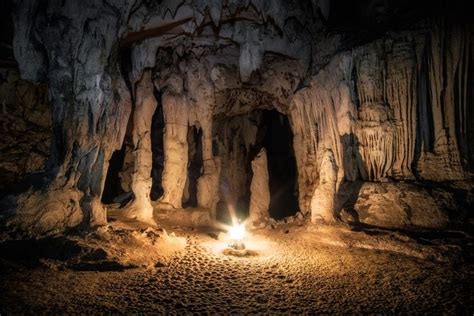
pixel 391 107
pixel 89 100
pixel 25 128
pixel 388 110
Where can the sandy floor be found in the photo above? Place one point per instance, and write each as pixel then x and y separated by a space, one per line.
pixel 289 274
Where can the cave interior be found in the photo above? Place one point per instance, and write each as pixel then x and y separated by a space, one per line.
pixel 131 125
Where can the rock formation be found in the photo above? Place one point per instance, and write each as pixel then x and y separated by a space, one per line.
pixel 324 196
pixel 392 105
pixel 25 128
pixel 145 106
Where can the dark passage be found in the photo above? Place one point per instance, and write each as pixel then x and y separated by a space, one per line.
pixel 157 129
pixel 194 165
pixel 112 187
pixel 278 142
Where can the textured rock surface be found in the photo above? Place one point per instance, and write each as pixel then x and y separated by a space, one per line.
pixel 89 100
pixel 145 106
pixel 324 197
pixel 175 144
pixel 371 107
pixel 399 205
pixel 394 105
pixel 25 128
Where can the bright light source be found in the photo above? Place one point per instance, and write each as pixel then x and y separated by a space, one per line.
pixel 237 232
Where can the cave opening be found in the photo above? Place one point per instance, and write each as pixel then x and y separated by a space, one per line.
pixel 195 165
pixel 271 183
pixel 112 186
pixel 157 149
pixel 277 139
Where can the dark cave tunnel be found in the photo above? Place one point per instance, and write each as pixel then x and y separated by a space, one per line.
pixel 195 165
pixel 277 139
pixel 275 135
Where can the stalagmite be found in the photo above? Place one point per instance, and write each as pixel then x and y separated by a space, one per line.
pixel 324 197
pixel 141 208
pixel 259 190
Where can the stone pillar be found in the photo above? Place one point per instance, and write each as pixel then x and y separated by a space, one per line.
pixel 208 183
pixel 175 145
pixel 324 197
pixel 141 208
pixel 259 190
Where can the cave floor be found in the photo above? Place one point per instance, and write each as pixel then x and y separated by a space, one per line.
pixel 290 273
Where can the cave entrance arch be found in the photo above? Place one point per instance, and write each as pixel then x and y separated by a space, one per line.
pixel 241 139
pixel 275 135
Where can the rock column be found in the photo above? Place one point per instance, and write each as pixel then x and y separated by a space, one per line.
pixel 175 144
pixel 324 197
pixel 141 208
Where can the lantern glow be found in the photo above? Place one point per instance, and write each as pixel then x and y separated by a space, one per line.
pixel 237 232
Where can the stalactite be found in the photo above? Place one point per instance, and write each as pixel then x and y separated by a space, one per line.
pixel 444 61
pixel 375 123
pixel 402 97
pixel 322 118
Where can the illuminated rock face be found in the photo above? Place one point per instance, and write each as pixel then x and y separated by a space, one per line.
pixel 392 107
pixel 141 181
pixel 175 112
pixel 324 196
pixel 409 205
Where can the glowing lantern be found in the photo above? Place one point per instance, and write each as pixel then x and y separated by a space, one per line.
pixel 236 235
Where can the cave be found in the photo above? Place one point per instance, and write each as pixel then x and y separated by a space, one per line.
pixel 236 157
